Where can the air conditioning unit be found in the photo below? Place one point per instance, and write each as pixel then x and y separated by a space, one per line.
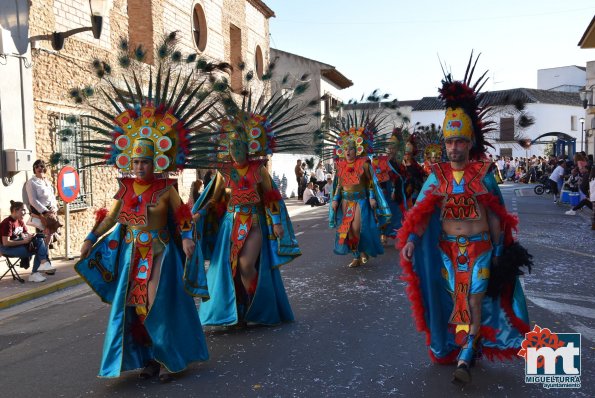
pixel 18 160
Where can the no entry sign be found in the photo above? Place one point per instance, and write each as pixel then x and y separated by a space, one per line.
pixel 69 184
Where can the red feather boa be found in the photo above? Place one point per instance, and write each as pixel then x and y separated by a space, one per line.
pixel 100 215
pixel 183 213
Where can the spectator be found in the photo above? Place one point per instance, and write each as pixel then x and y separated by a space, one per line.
pixel 328 187
pixel 586 175
pixel 310 197
pixel 42 202
pixel 556 179
pixel 320 174
pixel 319 194
pixel 299 175
pixel 17 242
pixel 501 164
pixel 572 182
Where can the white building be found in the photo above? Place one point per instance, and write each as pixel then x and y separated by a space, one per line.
pixel 565 78
pixel 553 111
pixel 326 83
pixel 588 42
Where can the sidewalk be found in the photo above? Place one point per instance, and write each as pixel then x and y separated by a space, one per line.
pixel 13 292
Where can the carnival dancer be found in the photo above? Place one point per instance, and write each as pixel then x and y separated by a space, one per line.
pixel 391 183
pixel 476 300
pixel 359 209
pixel 243 223
pixel 430 143
pixel 413 172
pixel 140 256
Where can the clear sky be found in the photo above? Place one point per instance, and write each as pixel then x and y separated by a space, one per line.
pixel 394 45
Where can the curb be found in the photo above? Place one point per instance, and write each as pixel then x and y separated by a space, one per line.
pixel 76 280
pixel 42 291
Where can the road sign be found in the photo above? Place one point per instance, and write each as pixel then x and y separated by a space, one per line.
pixel 69 184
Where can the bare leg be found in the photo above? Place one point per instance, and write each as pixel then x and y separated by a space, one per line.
pixel 248 256
pixel 154 279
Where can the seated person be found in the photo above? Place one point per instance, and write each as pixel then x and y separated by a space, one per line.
pixel 328 187
pixel 17 242
pixel 572 182
pixel 310 197
pixel 319 195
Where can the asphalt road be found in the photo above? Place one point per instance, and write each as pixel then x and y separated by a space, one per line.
pixel 353 335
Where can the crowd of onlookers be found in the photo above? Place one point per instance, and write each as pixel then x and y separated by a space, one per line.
pixel 314 185
pixel 561 174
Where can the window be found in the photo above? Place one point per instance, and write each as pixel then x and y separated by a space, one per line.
pixel 70 130
pixel 507 129
pixel 258 62
pixel 140 27
pixel 199 27
pixel 573 123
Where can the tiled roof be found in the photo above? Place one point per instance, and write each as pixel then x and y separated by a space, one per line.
pixel 372 105
pixel 528 95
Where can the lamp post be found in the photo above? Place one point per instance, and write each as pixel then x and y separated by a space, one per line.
pixel 582 120
pixel 98 8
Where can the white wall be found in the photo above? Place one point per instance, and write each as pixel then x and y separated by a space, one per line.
pixel 425 118
pixel 284 165
pixel 16 98
pixel 555 77
pixel 548 118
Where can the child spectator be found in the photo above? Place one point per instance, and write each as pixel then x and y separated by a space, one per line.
pixel 17 242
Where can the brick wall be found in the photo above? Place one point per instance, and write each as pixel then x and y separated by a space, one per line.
pixel 55 73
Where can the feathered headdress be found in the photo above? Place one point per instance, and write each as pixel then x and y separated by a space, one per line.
pixel 163 119
pixel 266 120
pixel 467 112
pixel 397 141
pixel 363 129
pixel 464 116
pixel 430 142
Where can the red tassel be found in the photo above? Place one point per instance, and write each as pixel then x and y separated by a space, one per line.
pixel 183 214
pixel 271 196
pixel 100 215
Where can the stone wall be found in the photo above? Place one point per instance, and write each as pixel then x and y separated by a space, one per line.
pixel 55 73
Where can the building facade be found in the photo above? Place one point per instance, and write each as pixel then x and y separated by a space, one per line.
pixel 587 42
pixel 553 111
pixel 325 83
pixel 219 30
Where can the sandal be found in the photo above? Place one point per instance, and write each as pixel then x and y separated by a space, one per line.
pixel 462 374
pixel 149 371
pixel 165 376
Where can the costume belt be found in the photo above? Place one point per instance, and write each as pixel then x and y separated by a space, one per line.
pixel 245 208
pixel 463 239
pixel 356 195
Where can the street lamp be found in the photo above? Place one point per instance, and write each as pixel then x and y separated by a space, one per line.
pixel 582 120
pixel 99 8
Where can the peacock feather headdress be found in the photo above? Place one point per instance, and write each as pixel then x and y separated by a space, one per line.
pixel 160 112
pixel 270 116
pixel 365 127
pixel 430 142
